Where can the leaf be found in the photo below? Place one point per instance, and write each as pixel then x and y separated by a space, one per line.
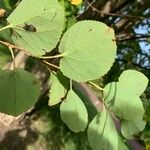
pixel 58 90
pixel 39 30
pixel 88 49
pixel 123 102
pixel 123 96
pixel 134 81
pixel 74 113
pixel 121 144
pixel 19 91
pixel 102 134
pixel 131 127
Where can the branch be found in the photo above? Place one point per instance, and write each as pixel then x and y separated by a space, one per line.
pixel 87 92
pixel 132 38
pixel 13 46
pixel 115 14
pixel 51 65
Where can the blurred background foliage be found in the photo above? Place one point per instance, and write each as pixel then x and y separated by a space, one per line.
pixel 131 21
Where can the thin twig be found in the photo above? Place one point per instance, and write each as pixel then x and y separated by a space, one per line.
pixel 85 9
pixel 114 14
pixel 96 86
pixel 132 38
pixel 13 57
pixel 5 27
pixel 51 57
pixel 70 84
pixel 9 45
pixel 13 46
pixel 50 64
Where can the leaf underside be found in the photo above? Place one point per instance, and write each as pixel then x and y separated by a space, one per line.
pixel 123 99
pixel 37 25
pixel 74 113
pixel 89 50
pixel 58 88
pixel 101 131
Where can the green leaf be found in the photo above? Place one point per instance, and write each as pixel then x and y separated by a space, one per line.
pixel 121 144
pixel 102 134
pixel 19 91
pixel 134 81
pixel 58 89
pixel 74 113
pixel 131 127
pixel 39 30
pixel 123 102
pixel 89 50
pixel 123 96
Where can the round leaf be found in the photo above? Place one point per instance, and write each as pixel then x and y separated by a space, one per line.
pixel 102 134
pixel 74 113
pixel 134 81
pixel 89 50
pixel 19 91
pixel 39 30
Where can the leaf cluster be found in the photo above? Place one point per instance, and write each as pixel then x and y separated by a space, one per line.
pixel 85 52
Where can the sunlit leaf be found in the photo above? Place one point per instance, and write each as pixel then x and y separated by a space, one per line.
pixel 123 96
pixel 121 144
pixel 134 81
pixel 84 58
pixel 123 102
pixel 37 25
pixel 102 134
pixel 74 113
